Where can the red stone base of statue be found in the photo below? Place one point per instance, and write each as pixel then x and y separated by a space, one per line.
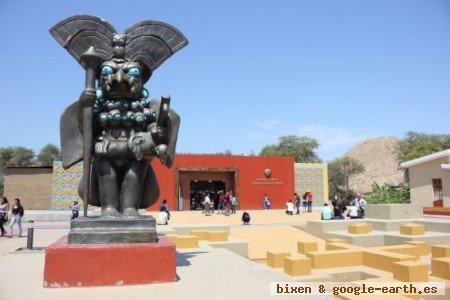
pixel 108 265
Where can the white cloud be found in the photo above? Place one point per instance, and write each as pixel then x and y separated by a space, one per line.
pixel 334 141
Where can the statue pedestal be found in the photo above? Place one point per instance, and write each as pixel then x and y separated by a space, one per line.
pixel 76 265
pixel 118 230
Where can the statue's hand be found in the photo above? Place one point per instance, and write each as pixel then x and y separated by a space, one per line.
pixel 141 144
pixel 101 148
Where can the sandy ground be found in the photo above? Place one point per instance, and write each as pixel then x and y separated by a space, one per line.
pixel 204 273
pixel 275 216
pixel 272 238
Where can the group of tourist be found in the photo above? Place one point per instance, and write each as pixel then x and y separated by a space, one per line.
pixel 14 216
pixel 303 203
pixel 227 203
pixel 341 210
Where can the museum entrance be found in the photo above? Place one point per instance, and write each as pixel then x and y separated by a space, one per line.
pixel 198 188
pixel 193 183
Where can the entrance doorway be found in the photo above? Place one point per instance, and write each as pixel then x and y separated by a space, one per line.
pixel 199 188
pixel 192 182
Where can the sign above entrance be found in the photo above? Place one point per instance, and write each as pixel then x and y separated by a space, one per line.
pixel 267 179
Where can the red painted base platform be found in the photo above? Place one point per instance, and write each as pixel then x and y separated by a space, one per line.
pixel 105 265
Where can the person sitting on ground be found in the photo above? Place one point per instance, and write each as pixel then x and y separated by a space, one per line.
pixel 359 202
pixel 245 218
pixel 351 212
pixel 75 209
pixel 17 212
pixel 162 218
pixel 327 213
pixel 290 207
pixel 165 208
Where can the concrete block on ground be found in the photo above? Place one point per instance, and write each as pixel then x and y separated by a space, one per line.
pixel 412 229
pixel 186 241
pixel 296 266
pixel 360 228
pixel 340 246
pixel 188 229
pixel 424 247
pixel 276 259
pixel 335 241
pixel 412 250
pixel 335 259
pixel 393 211
pixel 235 245
pixel 201 234
pixel 410 271
pixel 303 247
pixel 384 260
pixel 217 236
pixel 440 251
pixel 440 267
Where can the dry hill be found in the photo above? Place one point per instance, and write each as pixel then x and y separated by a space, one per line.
pixel 379 157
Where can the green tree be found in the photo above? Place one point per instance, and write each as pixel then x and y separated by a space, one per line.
pixel 48 154
pixel 388 193
pixel 340 171
pixel 14 156
pixel 415 145
pixel 301 148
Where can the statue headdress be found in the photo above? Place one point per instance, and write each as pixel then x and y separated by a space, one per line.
pixel 148 42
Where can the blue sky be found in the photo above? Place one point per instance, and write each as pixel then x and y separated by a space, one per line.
pixel 340 71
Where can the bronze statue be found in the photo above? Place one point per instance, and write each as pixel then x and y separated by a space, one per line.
pixel 112 127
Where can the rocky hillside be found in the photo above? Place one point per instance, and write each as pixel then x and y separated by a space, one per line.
pixel 379 157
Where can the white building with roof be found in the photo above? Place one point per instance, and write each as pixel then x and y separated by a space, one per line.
pixel 429 179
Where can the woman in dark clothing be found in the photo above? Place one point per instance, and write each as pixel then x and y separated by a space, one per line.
pixel 16 216
pixel 3 214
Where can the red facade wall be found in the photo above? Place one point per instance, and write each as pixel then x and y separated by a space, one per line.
pixel 251 182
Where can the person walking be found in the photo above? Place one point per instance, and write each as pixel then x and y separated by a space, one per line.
pixel 75 209
pixel 298 203
pixel 207 204
pixel 222 198
pixel 3 215
pixel 309 198
pixel 17 212
pixel 233 203
pixel 264 200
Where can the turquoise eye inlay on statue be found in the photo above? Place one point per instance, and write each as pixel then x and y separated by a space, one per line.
pixel 103 117
pixel 134 71
pixel 99 94
pixel 144 93
pixel 107 70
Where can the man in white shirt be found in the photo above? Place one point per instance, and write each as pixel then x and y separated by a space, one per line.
pixel 359 202
pixel 290 207
pixel 351 212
